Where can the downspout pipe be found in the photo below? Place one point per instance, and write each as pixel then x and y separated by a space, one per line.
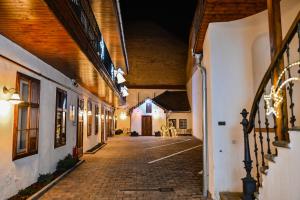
pixel 198 59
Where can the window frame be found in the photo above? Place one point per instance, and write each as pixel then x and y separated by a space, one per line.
pixel 63 111
pixel 89 118
pixel 96 119
pixel 28 105
pixel 148 107
pixel 173 120
pixel 180 123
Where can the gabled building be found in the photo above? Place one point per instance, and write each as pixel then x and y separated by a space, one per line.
pixel 150 115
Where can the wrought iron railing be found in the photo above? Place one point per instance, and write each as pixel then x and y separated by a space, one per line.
pixel 89 24
pixel 273 111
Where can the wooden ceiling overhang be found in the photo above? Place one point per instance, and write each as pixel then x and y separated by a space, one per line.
pixel 209 11
pixel 107 14
pixel 57 40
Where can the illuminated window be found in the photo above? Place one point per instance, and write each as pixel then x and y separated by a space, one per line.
pixel 60 118
pixel 26 127
pixel 149 107
pixel 182 123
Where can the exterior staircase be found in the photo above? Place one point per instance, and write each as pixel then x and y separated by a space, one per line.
pixel 271 139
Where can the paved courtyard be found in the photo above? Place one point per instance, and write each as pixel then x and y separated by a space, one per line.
pixel 136 168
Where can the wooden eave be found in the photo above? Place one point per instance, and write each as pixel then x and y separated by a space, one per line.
pixel 209 11
pixel 57 39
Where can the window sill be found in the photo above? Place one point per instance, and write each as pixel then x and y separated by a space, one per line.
pixel 23 155
pixel 57 146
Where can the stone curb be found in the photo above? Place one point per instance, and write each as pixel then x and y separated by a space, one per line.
pixel 93 152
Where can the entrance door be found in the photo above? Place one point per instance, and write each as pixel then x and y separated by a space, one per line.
pixel 80 111
pixel 147 125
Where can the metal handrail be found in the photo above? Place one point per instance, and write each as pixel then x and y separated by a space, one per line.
pixel 268 75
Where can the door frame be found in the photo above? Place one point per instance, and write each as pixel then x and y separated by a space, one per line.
pixel 80 149
pixel 147 116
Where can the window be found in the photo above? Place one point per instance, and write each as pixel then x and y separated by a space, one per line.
pixel 148 107
pixel 90 119
pixel 60 118
pixel 26 126
pixel 183 124
pixel 102 123
pixel 173 121
pixel 96 119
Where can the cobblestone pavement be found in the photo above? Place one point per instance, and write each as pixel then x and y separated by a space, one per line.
pixel 121 171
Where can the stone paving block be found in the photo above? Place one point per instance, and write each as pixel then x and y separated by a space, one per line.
pixel 121 171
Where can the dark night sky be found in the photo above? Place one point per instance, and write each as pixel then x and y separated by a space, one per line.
pixel 173 15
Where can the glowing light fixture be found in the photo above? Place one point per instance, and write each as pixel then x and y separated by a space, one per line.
pixel 119 74
pixel 15 96
pixel 123 116
pixel 124 91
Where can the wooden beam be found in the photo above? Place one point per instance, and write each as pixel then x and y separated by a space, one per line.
pixel 275 33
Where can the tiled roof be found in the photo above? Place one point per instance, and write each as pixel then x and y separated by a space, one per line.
pixel 174 101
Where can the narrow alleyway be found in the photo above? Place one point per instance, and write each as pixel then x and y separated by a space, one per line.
pixel 136 168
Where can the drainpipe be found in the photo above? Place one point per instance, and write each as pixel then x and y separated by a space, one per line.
pixel 198 59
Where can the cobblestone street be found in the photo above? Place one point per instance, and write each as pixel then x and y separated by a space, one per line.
pixel 136 168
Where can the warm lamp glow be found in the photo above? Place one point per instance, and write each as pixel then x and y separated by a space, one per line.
pixel 4 109
pixel 89 112
pixel 123 116
pixel 14 98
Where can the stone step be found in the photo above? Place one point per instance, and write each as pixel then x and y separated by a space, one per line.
pixel 231 195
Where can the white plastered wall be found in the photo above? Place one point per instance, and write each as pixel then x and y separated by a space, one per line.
pixel 236 55
pixel 182 115
pixel 18 174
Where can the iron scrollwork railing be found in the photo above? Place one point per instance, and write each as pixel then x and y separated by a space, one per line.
pixel 89 24
pixel 273 111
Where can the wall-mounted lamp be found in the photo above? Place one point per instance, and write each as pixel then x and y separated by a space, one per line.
pixel 119 74
pixel 124 91
pixel 123 116
pixel 15 96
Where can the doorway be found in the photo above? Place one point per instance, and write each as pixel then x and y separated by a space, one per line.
pixel 147 125
pixel 79 142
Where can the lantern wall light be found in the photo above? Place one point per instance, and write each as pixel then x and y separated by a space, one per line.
pixel 14 95
pixel 119 73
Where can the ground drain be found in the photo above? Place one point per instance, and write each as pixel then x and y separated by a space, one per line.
pixel 149 189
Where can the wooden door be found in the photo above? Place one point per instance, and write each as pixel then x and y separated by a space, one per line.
pixel 79 142
pixel 147 125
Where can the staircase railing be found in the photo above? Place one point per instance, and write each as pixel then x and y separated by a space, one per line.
pixel 269 120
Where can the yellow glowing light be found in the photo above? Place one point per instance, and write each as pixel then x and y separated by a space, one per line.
pixel 123 116
pixel 275 99
pixel 5 108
